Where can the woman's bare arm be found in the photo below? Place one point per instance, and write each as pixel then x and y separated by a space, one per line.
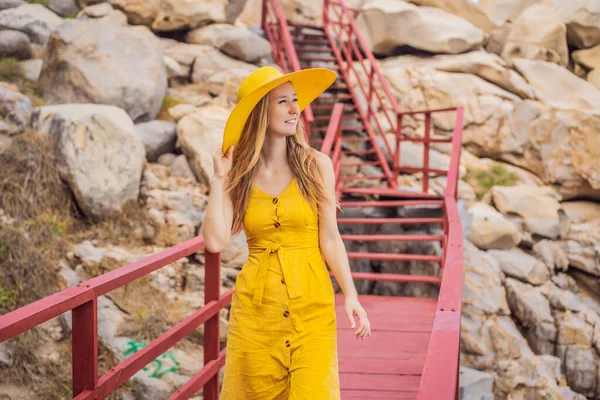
pixel 330 240
pixel 218 215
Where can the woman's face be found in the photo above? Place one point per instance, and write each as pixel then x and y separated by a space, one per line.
pixel 283 111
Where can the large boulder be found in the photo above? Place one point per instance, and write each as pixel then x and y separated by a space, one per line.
pixel 587 64
pixel 532 309
pixel 35 20
pixel 517 264
pixel 560 146
pixel 487 66
pixel 387 25
pixel 557 142
pixel 238 43
pixel 583 21
pixel 98 154
pixel 538 207
pixel 538 34
pixel 15 44
pixel 464 9
pixel 74 74
pixel 200 136
pixel 158 137
pixel 566 91
pixel 209 68
pixel 169 15
pixel 491 230
pixel 500 11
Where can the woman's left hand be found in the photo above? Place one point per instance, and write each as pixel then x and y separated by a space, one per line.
pixel 353 308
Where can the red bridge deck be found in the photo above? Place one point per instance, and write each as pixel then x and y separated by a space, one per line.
pixel 388 364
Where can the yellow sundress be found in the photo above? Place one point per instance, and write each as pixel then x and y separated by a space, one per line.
pixel 282 338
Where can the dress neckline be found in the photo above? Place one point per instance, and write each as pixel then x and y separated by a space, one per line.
pixel 281 194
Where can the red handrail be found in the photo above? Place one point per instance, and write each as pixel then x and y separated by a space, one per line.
pixel 82 301
pixel 350 47
pixel 439 379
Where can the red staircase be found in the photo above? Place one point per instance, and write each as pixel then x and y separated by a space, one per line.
pixel 413 352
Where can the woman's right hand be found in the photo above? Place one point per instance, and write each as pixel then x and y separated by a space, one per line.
pixel 222 162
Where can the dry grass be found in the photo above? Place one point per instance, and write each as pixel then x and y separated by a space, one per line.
pixel 12 72
pixel 31 184
pixel 47 224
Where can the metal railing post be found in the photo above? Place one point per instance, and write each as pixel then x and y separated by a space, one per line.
pixel 212 288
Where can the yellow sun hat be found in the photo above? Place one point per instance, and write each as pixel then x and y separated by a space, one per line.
pixel 308 83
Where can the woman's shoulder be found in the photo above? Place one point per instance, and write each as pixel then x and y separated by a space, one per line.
pixel 323 160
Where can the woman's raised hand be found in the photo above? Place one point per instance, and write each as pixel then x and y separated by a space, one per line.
pixel 222 162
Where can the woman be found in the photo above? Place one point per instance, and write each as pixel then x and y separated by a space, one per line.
pixel 281 342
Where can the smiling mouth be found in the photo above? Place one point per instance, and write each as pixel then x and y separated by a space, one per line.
pixel 291 122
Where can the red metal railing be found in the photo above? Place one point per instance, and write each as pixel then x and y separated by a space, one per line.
pixel 377 106
pixel 284 53
pixel 83 303
pixel 373 98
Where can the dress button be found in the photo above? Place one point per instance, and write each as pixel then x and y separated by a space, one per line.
pixel 275 200
pixel 283 281
pixel 287 343
pixel 286 313
pixel 276 224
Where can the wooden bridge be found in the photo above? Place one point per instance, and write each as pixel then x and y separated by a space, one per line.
pixel 413 352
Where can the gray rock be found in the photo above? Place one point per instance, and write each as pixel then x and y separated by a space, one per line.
pixel 74 74
pixel 15 112
pixel 158 137
pixel 6 357
pixel 475 385
pixel 6 4
pixel 98 154
pixel 15 44
pixel 32 69
pixel 181 167
pixel 63 7
pixel 35 20
pixel 103 12
pixel 167 159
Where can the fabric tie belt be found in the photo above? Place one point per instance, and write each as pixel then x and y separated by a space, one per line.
pixel 294 288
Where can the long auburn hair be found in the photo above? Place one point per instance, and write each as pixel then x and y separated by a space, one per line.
pixel 246 154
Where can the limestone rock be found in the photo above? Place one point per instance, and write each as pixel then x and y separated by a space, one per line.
pixel 483 292
pixel 175 203
pixel 500 11
pixel 238 43
pixel 386 25
pixel 464 9
pixel 583 244
pixel 537 206
pixel 532 310
pixel 490 230
pixel 35 20
pixel 90 143
pixel 169 15
pixel 201 135
pixel 158 137
pixel 582 94
pixel 15 44
pixel 15 111
pixel 73 74
pixel 538 34
pixel 520 265
pixel 583 21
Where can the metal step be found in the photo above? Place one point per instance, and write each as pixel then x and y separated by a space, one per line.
pixel 391 203
pixel 402 221
pixel 391 238
pixel 310 41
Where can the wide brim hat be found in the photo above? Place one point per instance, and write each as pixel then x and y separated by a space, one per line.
pixel 308 84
